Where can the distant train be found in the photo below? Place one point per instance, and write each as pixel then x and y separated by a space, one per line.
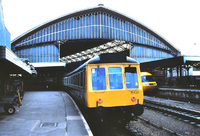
pixel 148 82
pixel 108 83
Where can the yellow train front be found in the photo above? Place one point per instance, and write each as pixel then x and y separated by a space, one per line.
pixel 148 82
pixel 109 83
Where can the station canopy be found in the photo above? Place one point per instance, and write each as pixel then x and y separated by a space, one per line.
pixel 184 61
pixel 11 64
pixel 109 47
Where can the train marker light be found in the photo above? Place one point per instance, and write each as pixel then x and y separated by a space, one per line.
pixel 133 99
pixel 100 101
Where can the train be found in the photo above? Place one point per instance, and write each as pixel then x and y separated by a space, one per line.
pixel 148 82
pixel 108 84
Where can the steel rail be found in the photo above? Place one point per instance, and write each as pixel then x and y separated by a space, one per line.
pixel 187 115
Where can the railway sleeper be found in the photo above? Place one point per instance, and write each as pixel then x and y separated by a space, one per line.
pixel 177 114
pixel 188 111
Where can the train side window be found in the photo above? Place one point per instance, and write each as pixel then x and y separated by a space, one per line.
pixel 131 77
pixel 115 77
pixel 98 79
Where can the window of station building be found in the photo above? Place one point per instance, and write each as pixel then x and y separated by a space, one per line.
pixel 98 78
pixel 115 78
pixel 131 77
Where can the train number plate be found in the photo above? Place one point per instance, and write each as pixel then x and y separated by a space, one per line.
pixel 135 92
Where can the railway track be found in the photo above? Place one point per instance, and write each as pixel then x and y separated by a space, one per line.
pixel 98 128
pixel 116 130
pixel 186 115
pixel 160 128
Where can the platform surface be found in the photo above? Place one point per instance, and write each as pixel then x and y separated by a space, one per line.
pixel 179 89
pixel 45 113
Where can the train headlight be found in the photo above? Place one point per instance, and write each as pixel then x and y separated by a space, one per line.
pixel 100 101
pixel 133 99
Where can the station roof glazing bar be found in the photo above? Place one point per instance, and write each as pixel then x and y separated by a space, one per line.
pixel 109 47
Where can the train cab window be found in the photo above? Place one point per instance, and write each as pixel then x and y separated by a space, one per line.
pixel 98 79
pixel 147 78
pixel 131 77
pixel 115 78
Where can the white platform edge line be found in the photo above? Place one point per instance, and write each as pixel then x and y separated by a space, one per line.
pixel 84 121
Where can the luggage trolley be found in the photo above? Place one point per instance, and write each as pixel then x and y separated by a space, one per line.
pixel 9 107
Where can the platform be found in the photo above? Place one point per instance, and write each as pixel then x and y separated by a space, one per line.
pixel 45 113
pixel 186 94
pixel 179 89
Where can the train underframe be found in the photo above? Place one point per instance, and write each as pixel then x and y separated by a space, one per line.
pixel 121 114
pixel 106 115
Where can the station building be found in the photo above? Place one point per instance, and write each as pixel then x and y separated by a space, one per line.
pixel 12 68
pixel 81 35
pixel 86 29
pixel 4 33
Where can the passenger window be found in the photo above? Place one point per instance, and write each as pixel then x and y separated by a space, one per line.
pixel 131 77
pixel 115 78
pixel 98 79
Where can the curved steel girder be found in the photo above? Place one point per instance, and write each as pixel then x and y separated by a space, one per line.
pixel 109 47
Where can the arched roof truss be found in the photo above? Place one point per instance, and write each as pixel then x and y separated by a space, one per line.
pixel 96 23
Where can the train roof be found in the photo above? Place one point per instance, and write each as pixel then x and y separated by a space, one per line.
pixel 107 58
pixel 145 74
